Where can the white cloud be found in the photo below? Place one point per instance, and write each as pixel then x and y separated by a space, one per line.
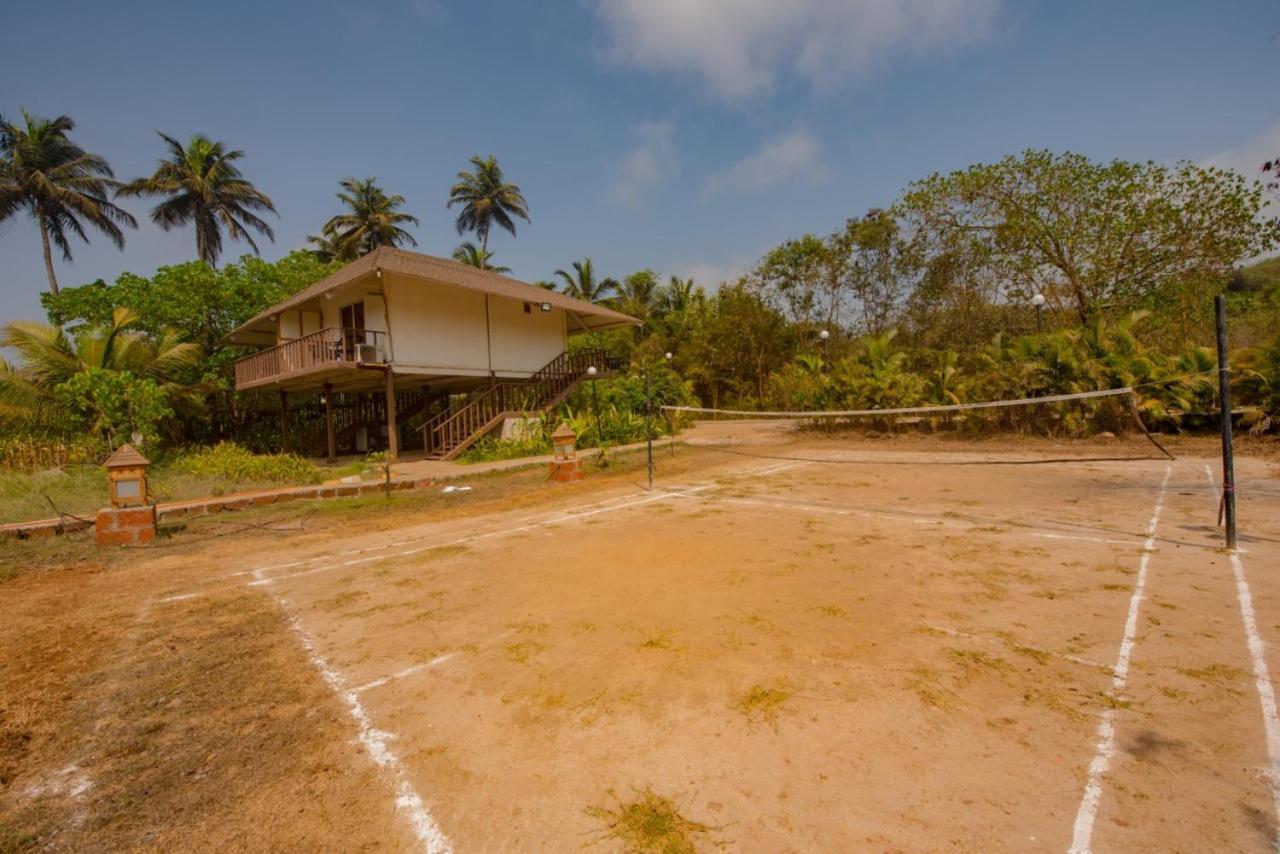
pixel 797 155
pixel 709 275
pixel 740 47
pixel 1248 156
pixel 651 162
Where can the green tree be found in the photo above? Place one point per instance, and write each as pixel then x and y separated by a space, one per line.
pixel 202 185
pixel 473 256
pixel 805 278
pixel 737 341
pixel 45 393
pixel 638 294
pixel 486 198
pixel 677 295
pixel 373 219
pixel 1095 236
pixel 62 186
pixel 206 303
pixel 582 282
pixel 879 266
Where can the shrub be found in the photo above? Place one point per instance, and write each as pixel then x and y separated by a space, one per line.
pixel 230 461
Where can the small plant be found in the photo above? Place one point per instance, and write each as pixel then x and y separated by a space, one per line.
pixel 649 824
pixel 762 703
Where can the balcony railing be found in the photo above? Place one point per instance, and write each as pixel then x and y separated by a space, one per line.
pixel 329 346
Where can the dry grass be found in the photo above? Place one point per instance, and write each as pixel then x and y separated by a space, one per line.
pixel 763 703
pixel 650 824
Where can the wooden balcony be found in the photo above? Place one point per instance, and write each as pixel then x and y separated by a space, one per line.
pixel 329 355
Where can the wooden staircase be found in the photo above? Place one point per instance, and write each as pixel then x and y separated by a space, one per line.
pixel 455 428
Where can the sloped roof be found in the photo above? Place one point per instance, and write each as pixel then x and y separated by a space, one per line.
pixel 125 455
pixel 418 265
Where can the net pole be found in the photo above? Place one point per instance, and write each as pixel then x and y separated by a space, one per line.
pixel 648 424
pixel 1224 398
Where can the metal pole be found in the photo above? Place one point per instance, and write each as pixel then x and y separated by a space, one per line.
pixel 1224 399
pixel 595 406
pixel 648 424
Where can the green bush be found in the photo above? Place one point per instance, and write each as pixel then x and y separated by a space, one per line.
pixel 229 461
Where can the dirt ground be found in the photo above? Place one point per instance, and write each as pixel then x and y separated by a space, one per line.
pixel 794 643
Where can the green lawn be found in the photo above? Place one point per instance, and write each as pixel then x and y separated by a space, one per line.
pixel 81 489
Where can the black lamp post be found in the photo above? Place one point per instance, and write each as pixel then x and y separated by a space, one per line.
pixel 1038 301
pixel 595 404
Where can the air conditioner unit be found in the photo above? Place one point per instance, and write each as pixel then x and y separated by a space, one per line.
pixel 368 353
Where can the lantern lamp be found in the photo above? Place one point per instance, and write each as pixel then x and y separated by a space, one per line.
pixel 127 477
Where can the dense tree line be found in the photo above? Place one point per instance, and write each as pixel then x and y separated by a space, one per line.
pixel 1036 275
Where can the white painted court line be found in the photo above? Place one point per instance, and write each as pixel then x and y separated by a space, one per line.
pixel 181 597
pixel 1261 673
pixel 471 538
pixel 1082 833
pixel 408 671
pixel 377 742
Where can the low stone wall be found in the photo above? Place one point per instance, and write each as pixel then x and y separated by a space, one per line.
pixel 175 510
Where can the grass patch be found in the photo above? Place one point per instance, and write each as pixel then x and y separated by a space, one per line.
pixel 762 703
pixel 649 824
pixel 926 683
pixel 657 639
pixel 523 651
pixel 972 659
pixel 1220 675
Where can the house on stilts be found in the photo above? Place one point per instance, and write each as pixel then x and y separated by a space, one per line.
pixel 402 350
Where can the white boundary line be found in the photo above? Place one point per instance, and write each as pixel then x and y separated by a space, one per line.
pixel 1082 833
pixel 470 538
pixel 408 671
pixel 896 517
pixel 377 743
pixel 1261 673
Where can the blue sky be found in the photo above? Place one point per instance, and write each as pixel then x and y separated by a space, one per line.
pixel 684 135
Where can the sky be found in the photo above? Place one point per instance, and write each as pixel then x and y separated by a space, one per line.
pixel 687 136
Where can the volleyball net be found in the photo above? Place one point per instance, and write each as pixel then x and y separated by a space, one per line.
pixel 1077 415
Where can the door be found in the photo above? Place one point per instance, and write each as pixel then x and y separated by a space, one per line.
pixel 352 319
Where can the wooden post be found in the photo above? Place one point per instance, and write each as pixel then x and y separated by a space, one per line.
pixel 330 443
pixel 393 440
pixel 284 421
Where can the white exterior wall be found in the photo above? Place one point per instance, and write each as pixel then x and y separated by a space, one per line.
pixel 440 329
pixel 523 343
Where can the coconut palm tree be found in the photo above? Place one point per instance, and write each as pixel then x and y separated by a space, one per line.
pixel 473 256
pixel 677 295
pixel 58 183
pixel 582 282
pixel 373 219
pixel 486 198
pixel 638 294
pixel 201 184
pixel 50 356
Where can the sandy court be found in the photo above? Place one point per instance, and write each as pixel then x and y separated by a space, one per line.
pixel 804 647
pixel 817 656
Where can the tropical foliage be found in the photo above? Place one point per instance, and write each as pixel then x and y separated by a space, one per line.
pixel 59 184
pixel 109 380
pixel 372 219
pixel 583 284
pixel 485 199
pixel 473 256
pixel 201 185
